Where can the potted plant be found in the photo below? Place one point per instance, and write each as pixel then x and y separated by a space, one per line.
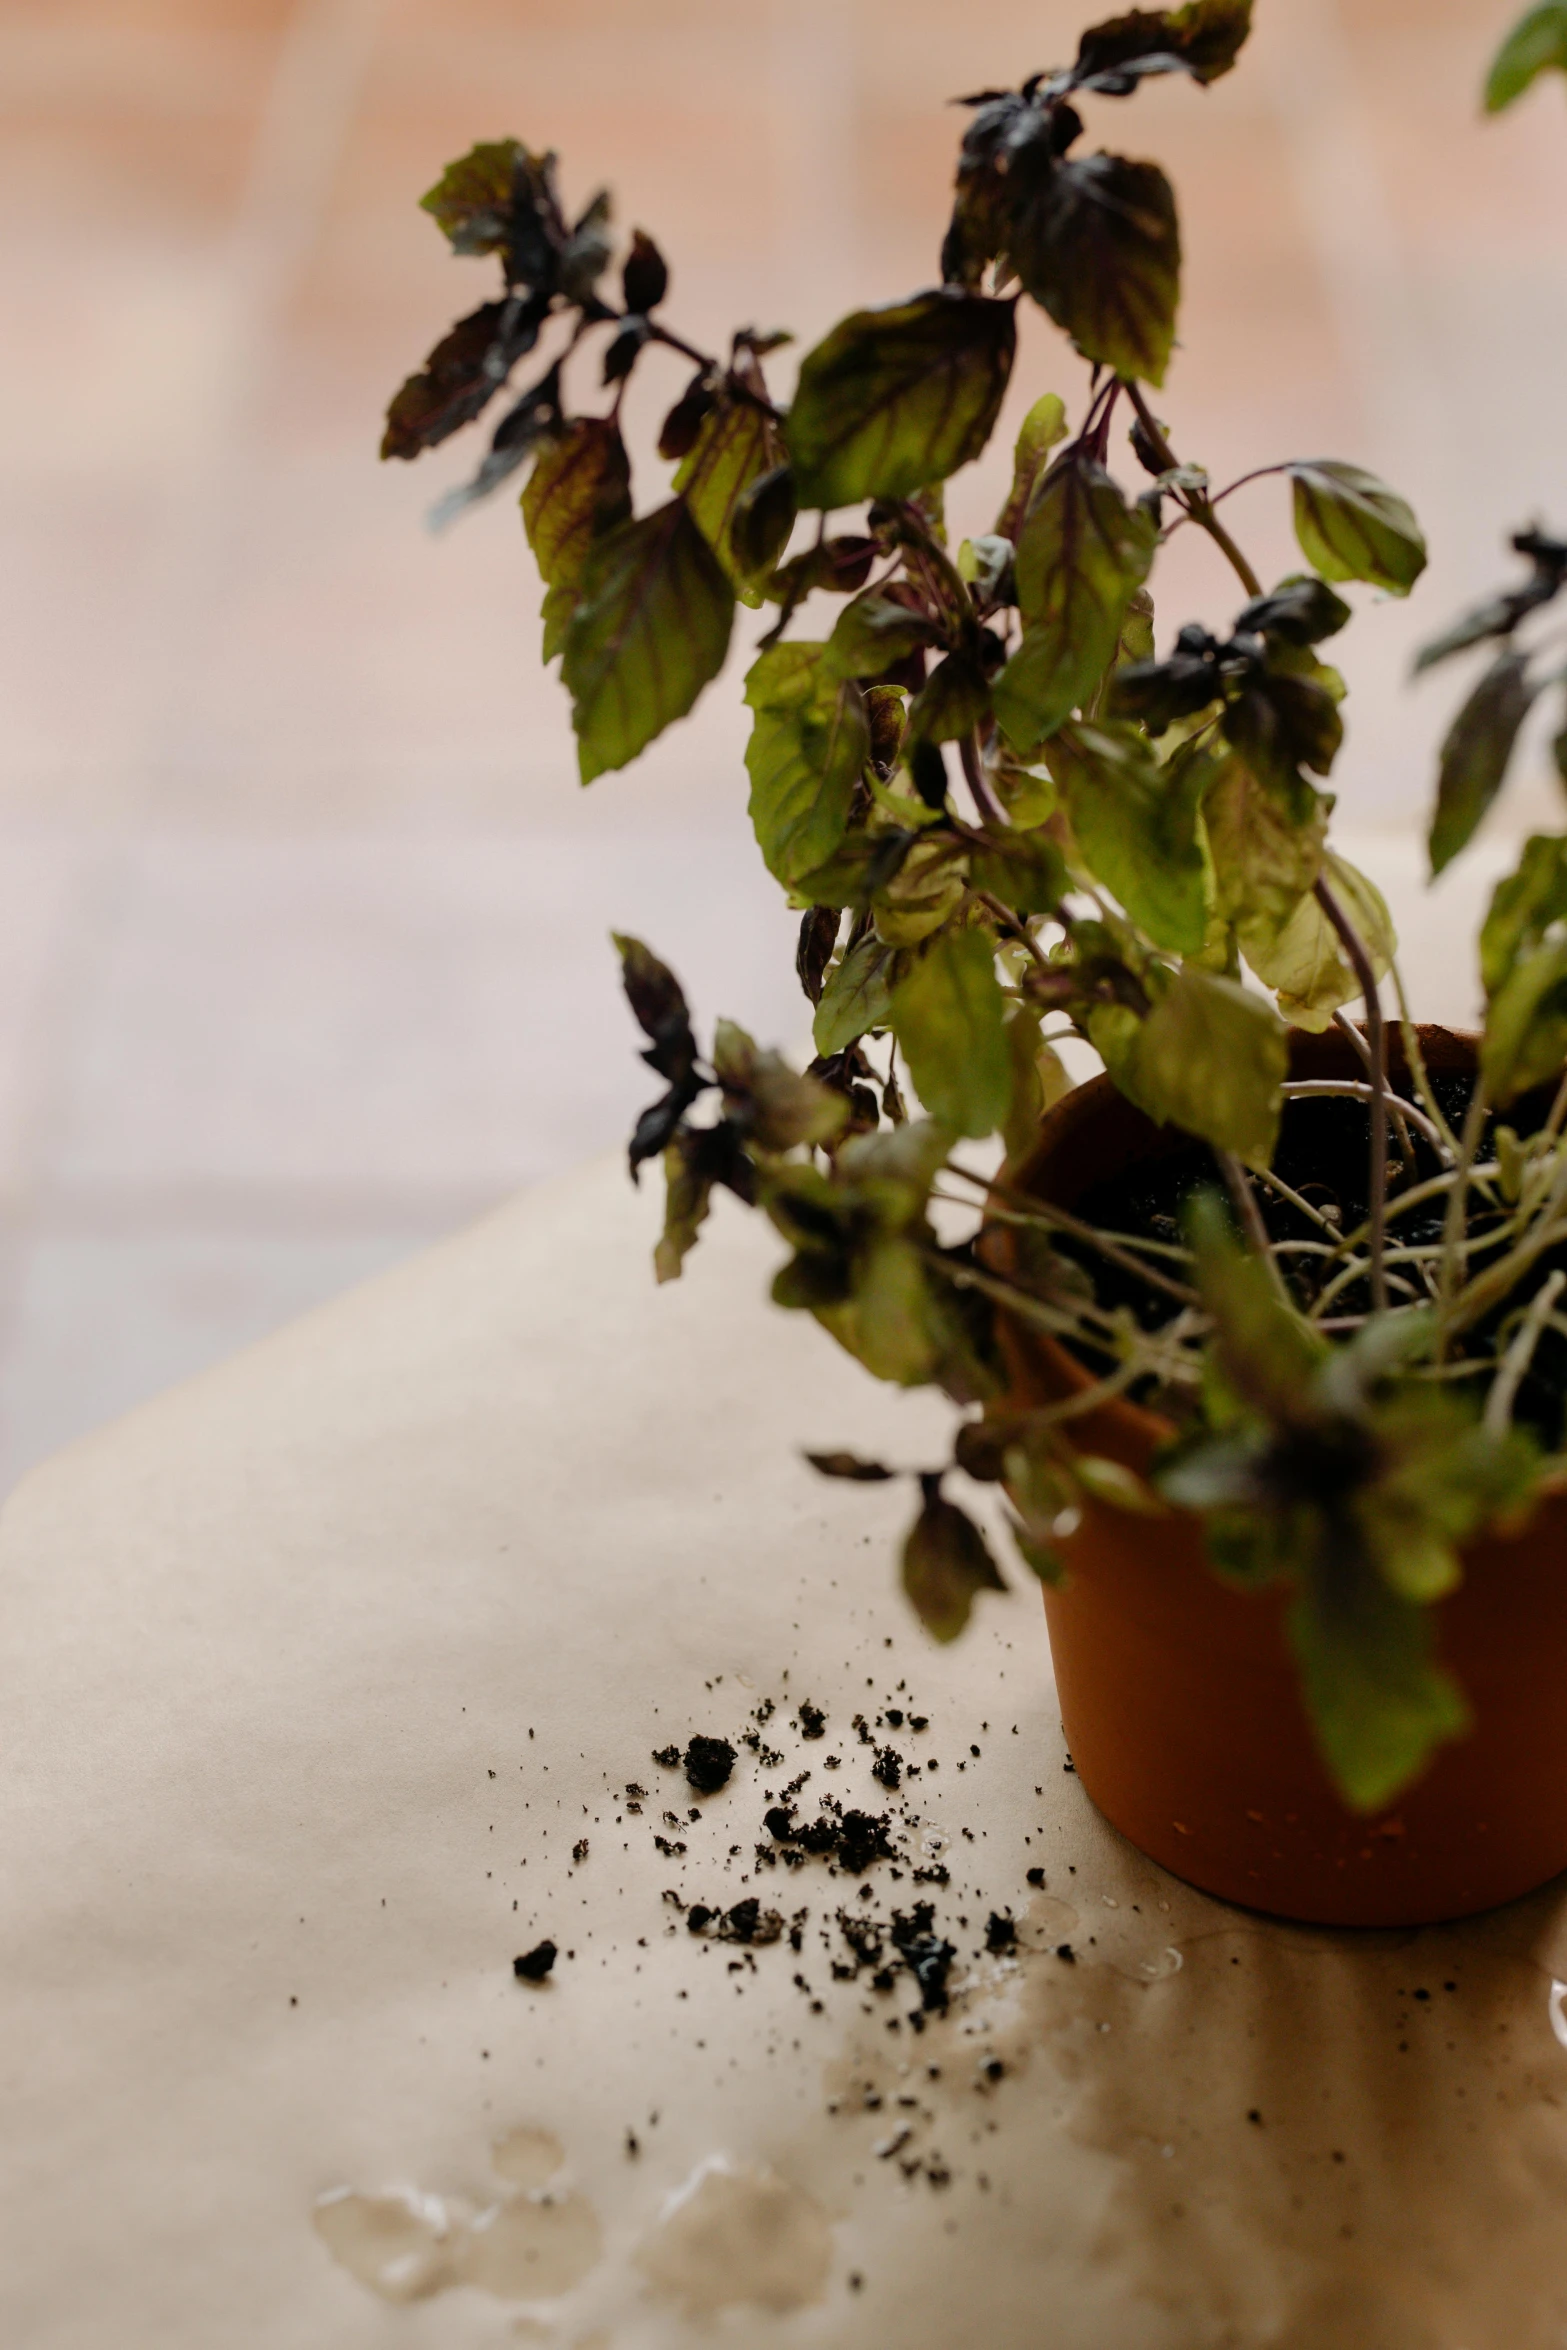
pixel 1260 1335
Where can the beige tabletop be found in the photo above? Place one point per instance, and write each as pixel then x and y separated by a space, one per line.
pixel 325 1682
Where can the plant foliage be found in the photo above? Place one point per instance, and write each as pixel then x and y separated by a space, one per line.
pixel 1008 817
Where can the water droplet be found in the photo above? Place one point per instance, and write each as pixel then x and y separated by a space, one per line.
pixel 531 2248
pixel 527 2158
pixel 735 2234
pixel 402 2244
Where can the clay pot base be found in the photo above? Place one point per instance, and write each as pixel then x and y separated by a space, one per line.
pixel 1179 1695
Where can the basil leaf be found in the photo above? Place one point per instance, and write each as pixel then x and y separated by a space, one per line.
pixel 1352 526
pixel 949 1016
pixel 650 630
pixel 896 398
pixel 809 741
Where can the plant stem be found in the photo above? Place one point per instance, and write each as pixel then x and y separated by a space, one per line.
pixel 989 813
pixel 1199 507
pixel 1376 1039
pixel 1455 1227
pixel 1515 1363
pixel 1303 1088
pixel 1250 1214
pixel 1347 1028
pixel 1049 1213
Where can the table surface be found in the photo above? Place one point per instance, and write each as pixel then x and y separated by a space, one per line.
pixel 325 1681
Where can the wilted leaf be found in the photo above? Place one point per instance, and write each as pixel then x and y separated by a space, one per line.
pixel 857 996
pixel 1304 962
pixel 1378 1700
pixel 696 1161
pixel 1476 754
pixel 1302 611
pixel 1098 245
pixel 1281 722
pixel 1136 827
pixel 850 1467
pixel 1081 554
pixel 1535 44
pixel 772 1104
pixel 1266 848
pixel 651 628
pixel 658 1005
pixel 736 446
pixel 946 1564
pixel 461 376
pixel 809 742
pixel 899 397
pixel 1212 1059
pixel 472 201
pixel 585 253
pixel 578 491
pixel 949 1017
pixel 1202 39
pixel 1352 526
pixel 644 277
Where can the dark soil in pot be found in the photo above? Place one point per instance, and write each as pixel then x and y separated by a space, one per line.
pixel 1179 1694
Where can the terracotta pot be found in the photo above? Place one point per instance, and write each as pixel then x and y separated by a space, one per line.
pixel 1178 1693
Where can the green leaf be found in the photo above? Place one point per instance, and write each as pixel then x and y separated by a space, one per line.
pixel 857 996
pixel 1136 827
pixel 1082 553
pixel 1025 870
pixel 1523 909
pixel 952 702
pixel 764 518
pixel 899 397
pixel 1304 962
pixel 949 1017
pixel 922 895
pixel 650 630
pixel 874 633
pixel 946 1564
pixel 1537 42
pixel 579 491
pixel 1526 1025
pixel 738 444
pixel 1266 847
pixel 1476 754
pixel 1379 1702
pixel 1099 246
pixel 809 742
pixel 1039 1079
pixel 1212 1059
pixel 1352 526
pixel 1267 1356
pixel 1041 429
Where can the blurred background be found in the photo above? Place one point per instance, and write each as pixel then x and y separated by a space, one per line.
pixel 303 915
